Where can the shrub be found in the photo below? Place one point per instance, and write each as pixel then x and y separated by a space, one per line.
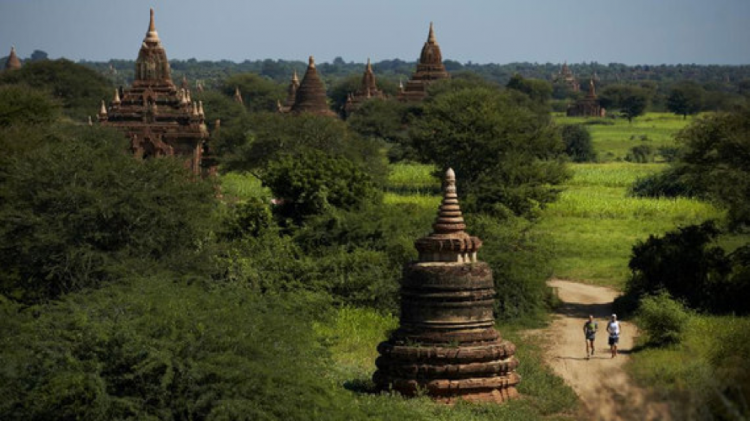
pixel 578 144
pixel 640 154
pixel 663 318
pixel 668 183
pixel 20 104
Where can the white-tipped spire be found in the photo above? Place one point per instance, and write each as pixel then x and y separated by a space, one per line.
pixel 152 35
pixel 194 110
pixel 431 35
pixel 116 99
pixel 200 109
pixel 103 110
pixel 295 78
pixel 311 62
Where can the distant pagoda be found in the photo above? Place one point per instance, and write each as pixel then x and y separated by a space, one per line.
pixel 12 63
pixel 429 69
pixel 566 77
pixel 158 118
pixel 310 95
pixel 291 95
pixel 447 345
pixel 587 106
pixel 367 89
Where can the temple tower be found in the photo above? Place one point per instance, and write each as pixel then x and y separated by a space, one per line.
pixel 310 96
pixel 429 69
pixel 291 95
pixel 158 118
pixel 566 77
pixel 447 344
pixel 588 106
pixel 12 63
pixel 367 89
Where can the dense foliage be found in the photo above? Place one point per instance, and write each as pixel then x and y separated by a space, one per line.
pixel 663 319
pixel 578 144
pixel 508 157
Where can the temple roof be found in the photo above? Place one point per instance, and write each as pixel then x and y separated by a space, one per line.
pixel 431 50
pixel 152 66
pixel 429 68
pixel 13 63
pixel 311 93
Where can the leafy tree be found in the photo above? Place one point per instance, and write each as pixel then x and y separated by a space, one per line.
pixel 578 144
pixel 76 211
pixel 38 55
pixel 685 99
pixel 631 101
pixel 507 156
pixel 663 318
pixel 311 181
pixel 537 90
pixel 78 88
pixel 258 93
pixel 716 159
pixel 20 104
pixel 641 154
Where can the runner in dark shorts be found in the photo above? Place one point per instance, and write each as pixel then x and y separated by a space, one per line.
pixel 589 331
pixel 613 327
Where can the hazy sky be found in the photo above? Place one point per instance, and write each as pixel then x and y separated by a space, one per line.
pixel 481 31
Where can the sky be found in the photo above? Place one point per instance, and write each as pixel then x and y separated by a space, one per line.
pixel 480 31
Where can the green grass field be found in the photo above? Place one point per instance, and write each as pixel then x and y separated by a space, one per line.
pixel 612 141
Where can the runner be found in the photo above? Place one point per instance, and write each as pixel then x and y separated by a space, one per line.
pixel 614 334
pixel 589 331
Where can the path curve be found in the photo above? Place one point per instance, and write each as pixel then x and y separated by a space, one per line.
pixel 605 389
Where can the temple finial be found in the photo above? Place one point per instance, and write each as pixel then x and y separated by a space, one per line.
pixel 431 36
pixel 295 78
pixel 312 62
pixel 369 66
pixel 116 99
pixel 152 35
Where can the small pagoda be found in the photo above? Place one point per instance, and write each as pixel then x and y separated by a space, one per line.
pixel 447 345
pixel 567 78
pixel 429 69
pixel 291 95
pixel 368 89
pixel 159 118
pixel 310 95
pixel 12 63
pixel 587 106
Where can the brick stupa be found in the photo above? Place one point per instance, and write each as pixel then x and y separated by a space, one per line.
pixel 447 345
pixel 310 96
pixel 291 95
pixel 368 89
pixel 587 106
pixel 429 69
pixel 12 63
pixel 158 118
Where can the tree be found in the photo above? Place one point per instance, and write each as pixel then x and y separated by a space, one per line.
pixel 77 211
pixel 685 99
pixel 578 145
pixel 258 93
pixel 538 90
pixel 631 101
pixel 716 159
pixel 38 55
pixel 507 156
pixel 20 104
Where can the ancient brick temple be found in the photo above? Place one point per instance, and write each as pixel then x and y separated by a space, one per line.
pixel 566 77
pixel 447 345
pixel 588 106
pixel 12 63
pixel 310 95
pixel 429 69
pixel 367 89
pixel 158 118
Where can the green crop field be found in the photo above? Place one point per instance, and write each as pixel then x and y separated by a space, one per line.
pixel 613 137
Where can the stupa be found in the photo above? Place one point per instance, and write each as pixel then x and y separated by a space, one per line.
pixel 429 69
pixel 12 63
pixel 566 77
pixel 368 89
pixel 310 96
pixel 291 95
pixel 447 345
pixel 158 118
pixel 587 106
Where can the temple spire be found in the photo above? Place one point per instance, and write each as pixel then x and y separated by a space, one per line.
pixel 311 63
pixel 295 78
pixel 431 36
pixel 152 35
pixel 449 219
pixel 13 63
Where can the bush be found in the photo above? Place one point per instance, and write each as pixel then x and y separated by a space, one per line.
pixel 663 318
pixel 154 349
pixel 578 144
pixel 668 183
pixel 641 154
pixel 20 104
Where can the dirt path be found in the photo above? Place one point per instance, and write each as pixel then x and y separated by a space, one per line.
pixel 603 386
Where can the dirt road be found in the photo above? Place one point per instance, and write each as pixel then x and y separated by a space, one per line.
pixel 603 386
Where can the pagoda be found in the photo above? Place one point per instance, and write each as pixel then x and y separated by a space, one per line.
pixel 447 345
pixel 158 118
pixel 566 77
pixel 291 95
pixel 12 63
pixel 310 96
pixel 587 106
pixel 367 89
pixel 429 69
